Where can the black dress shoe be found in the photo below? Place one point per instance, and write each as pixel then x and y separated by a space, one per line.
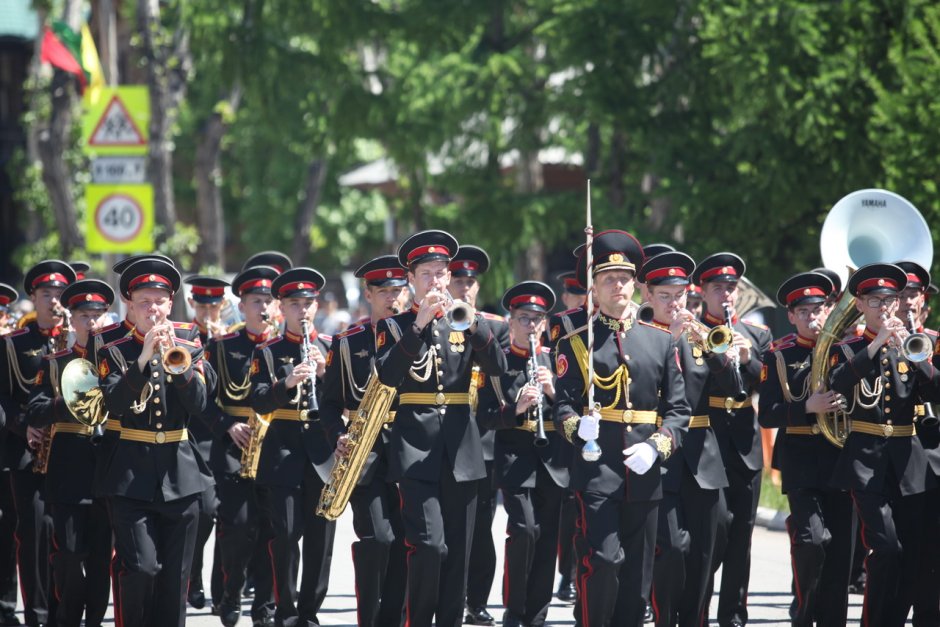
pixel 9 619
pixel 264 621
pixel 567 591
pixel 648 617
pixel 196 597
pixel 478 616
pixel 249 590
pixel 229 615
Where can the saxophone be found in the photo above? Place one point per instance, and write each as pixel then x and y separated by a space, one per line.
pixel 251 454
pixel 58 343
pixel 364 427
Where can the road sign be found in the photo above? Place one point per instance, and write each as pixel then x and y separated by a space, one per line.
pixel 119 170
pixel 119 218
pixel 117 122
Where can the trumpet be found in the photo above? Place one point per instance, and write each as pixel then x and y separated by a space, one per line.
pixel 274 329
pixel 176 360
pixel 716 339
pixel 916 347
pixel 459 314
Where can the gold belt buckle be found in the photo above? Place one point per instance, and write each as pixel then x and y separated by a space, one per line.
pixel 729 404
pixel 439 398
pixel 303 415
pixel 159 437
pixel 888 429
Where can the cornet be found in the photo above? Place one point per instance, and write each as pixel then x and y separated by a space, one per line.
pixel 176 360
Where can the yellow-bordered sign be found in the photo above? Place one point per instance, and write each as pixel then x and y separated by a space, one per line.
pixel 119 218
pixel 117 121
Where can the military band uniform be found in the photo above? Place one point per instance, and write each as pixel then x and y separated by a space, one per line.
pixel 295 464
pixel 19 364
pixel 243 528
pixel 882 464
pixel 81 554
pixel 534 481
pixel 739 440
pixel 378 554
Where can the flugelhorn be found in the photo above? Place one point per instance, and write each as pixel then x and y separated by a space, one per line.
pixel 82 395
pixel 176 359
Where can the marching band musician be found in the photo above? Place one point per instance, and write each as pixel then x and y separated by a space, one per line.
pixel 533 475
pixel 243 529
pixel 573 296
pixel 296 457
pixel 435 451
pixel 81 555
pixel 821 525
pixel 155 475
pixel 693 476
pixel 19 364
pixel 8 296
pixel 379 553
pixel 882 465
pixel 206 297
pixel 734 422
pixel 636 377
pixel 466 267
pixel 913 300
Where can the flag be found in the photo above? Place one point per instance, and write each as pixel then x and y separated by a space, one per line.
pixel 74 53
pixel 56 53
pixel 92 65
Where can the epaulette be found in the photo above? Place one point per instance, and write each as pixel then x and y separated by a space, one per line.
pixel 110 327
pixel 325 337
pixel 779 346
pixel 183 325
pixel 654 326
pixel 22 331
pixel 120 340
pixel 363 321
pixel 272 341
pixel 568 312
pixel 180 340
pixel 61 353
pixel 779 343
pixel 228 336
pixel 931 332
pixel 490 316
pixel 756 324
pixel 350 331
pixel 849 340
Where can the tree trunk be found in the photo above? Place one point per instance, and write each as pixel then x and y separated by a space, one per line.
pixel 208 175
pixel 530 181
pixel 306 210
pixel 53 141
pixel 167 60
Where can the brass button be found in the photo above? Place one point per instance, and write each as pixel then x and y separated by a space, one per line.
pixel 815 429
pixel 159 425
pixel 159 437
pixel 436 333
pixel 888 421
pixel 887 397
pixel 629 428
pixel 306 426
pixel 154 362
pixel 887 410
pixel 888 385
pixel 629 404
pixel 887 373
pixel 169 377
pixel 156 386
pixel 440 387
pixel 156 400
pixel 884 361
pixel 158 413
pixel 304 404
pixel 626 357
pixel 155 375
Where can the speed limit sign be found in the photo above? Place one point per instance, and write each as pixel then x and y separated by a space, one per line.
pixel 120 218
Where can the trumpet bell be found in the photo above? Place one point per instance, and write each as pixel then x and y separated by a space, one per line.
pixel 719 339
pixel 176 360
pixel 874 225
pixel 459 316
pixel 917 347
pixel 82 394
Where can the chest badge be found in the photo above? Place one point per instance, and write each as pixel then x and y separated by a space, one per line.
pixel 238 356
pixel 800 365
pixel 33 353
pixel 456 339
pixel 902 367
pixel 287 360
pixel 362 353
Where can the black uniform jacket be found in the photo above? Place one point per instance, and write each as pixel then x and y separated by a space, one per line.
pixel 699 451
pixel 892 386
pixel 289 443
pixel 20 360
pixel 930 435
pixel 805 461
pixel 737 430
pixel 150 471
pixel 634 369
pixel 230 358
pixel 515 455
pixel 500 328
pixel 563 323
pixel 72 457
pixel 349 365
pixel 427 437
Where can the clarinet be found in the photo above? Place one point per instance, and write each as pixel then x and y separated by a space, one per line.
pixel 741 394
pixel 306 356
pixel 533 367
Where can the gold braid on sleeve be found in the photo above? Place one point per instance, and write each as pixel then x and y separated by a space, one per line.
pixel 571 427
pixel 662 443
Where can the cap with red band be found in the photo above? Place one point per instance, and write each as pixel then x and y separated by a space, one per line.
pixel 207 290
pixel 272 258
pixel 48 273
pixel 532 295
pixel 254 280
pixel 383 271
pixel 427 246
pixel 298 283
pixel 668 268
pixel 88 294
pixel 805 288
pixel 152 274
pixel 917 276
pixel 469 261
pixel 726 267
pixel 877 278
pixel 7 295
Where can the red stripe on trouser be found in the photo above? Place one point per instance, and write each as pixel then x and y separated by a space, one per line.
pixel 586 562
pixel 796 578
pixel 861 521
pixel 277 596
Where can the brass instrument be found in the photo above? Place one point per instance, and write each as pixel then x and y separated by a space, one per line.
pixel 56 344
pixel 916 347
pixel 459 314
pixel 82 395
pixel 364 427
pixel 251 454
pixel 866 226
pixel 533 367
pixel 274 328
pixel 176 359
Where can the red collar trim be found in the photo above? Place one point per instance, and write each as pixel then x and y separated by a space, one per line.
pixel 297 338
pixel 805 341
pixel 869 335
pixel 138 336
pixel 523 352
pixel 51 332
pixel 128 325
pixel 715 321
pixel 661 325
pixel 257 338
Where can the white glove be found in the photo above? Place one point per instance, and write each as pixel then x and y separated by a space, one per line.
pixel 589 427
pixel 640 457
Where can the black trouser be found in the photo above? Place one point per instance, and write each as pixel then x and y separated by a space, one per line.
pixel 892 529
pixel 821 526
pixel 611 532
pixel 438 518
pixel 927 595
pixel 8 582
pixel 482 549
pixel 685 547
pixel 567 529
pixel 208 505
pixel 293 515
pixel 81 562
pixel 378 554
pixel 531 536
pixel 154 541
pixel 243 531
pixel 733 540
pixel 33 545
